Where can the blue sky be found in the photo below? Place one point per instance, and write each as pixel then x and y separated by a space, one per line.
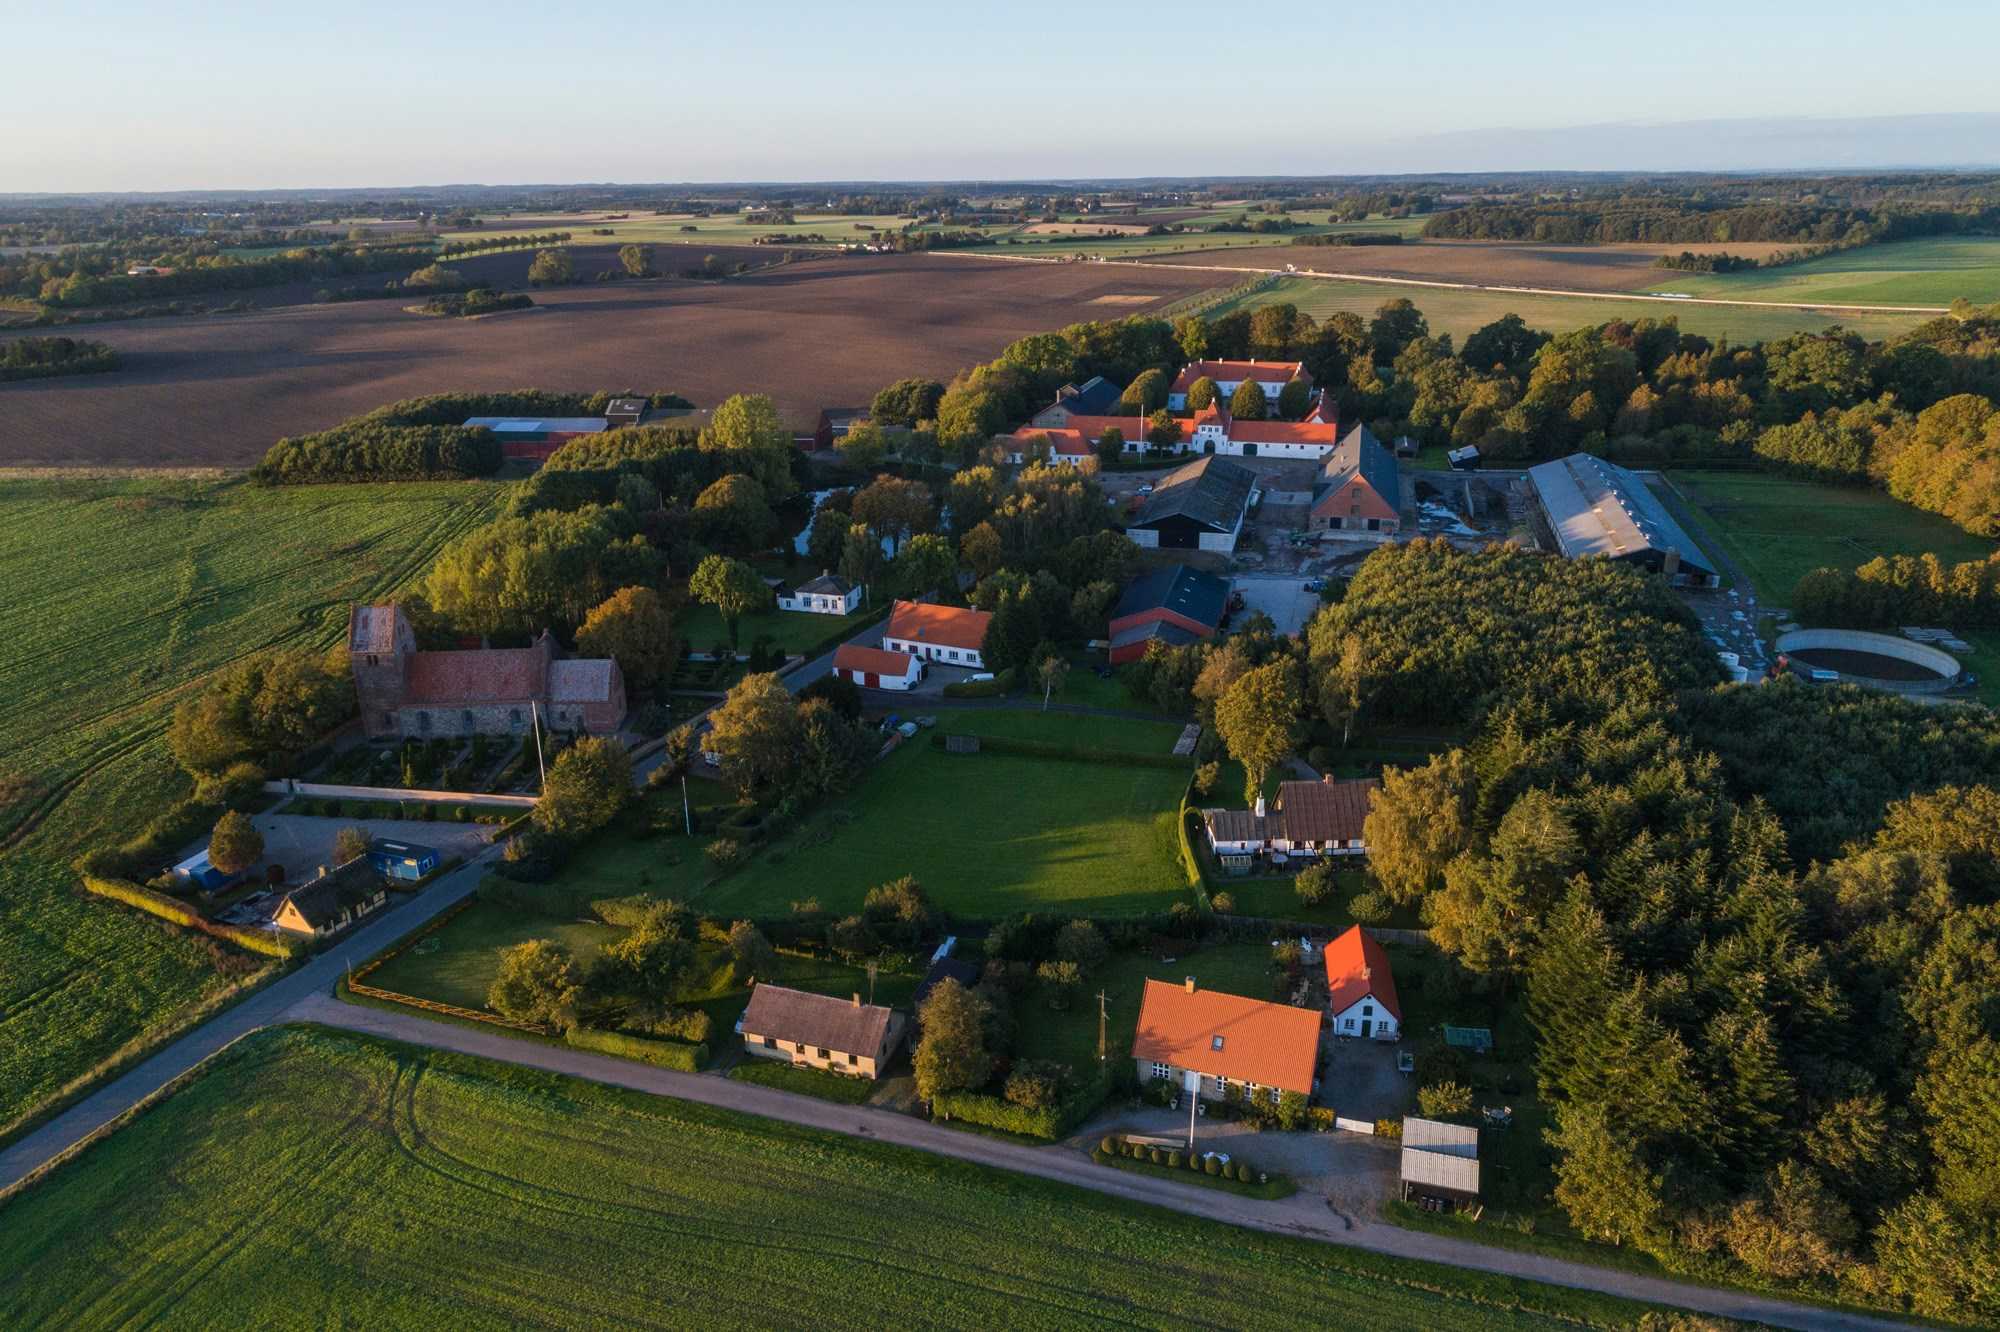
pixel 142 96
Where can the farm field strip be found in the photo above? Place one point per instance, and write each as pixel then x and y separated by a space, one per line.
pixel 312 1176
pixel 1932 271
pixel 125 593
pixel 1460 310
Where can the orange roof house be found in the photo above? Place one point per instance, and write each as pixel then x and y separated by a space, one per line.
pixel 949 634
pixel 1361 987
pixel 876 668
pixel 1226 1039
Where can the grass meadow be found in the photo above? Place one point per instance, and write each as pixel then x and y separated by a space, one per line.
pixel 1933 271
pixel 314 1177
pixel 121 594
pixel 1459 312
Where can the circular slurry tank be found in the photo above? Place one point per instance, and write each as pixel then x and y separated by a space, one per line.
pixel 1875 660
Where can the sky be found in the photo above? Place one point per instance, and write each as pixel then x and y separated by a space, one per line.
pixel 132 96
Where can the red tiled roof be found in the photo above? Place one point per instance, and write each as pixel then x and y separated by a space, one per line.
pixel 874 661
pixel 947 626
pixel 487 675
pixel 1273 1045
pixel 1283 432
pixel 1356 968
pixel 1267 372
pixel 1064 441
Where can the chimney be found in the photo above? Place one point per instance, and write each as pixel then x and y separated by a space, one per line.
pixel 857 998
pixel 1260 807
pixel 1190 985
pixel 1326 777
pixel 322 871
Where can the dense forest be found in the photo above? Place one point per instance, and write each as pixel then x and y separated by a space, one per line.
pixel 1757 931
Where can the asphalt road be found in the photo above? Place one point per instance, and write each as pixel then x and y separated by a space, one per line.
pixel 269 1005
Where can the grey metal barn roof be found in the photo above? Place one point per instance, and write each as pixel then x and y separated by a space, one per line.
pixel 1211 491
pixel 1598 508
pixel 1459 1174
pixel 1434 1135
pixel 1362 452
pixel 1170 634
pixel 1180 588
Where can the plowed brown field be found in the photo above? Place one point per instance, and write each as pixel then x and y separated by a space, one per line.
pixel 218 389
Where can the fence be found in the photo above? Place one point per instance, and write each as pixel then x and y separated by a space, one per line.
pixel 398 793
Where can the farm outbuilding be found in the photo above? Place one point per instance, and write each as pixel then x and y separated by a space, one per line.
pixel 1176 605
pixel 1201 506
pixel 1591 507
pixel 876 668
pixel 533 439
pixel 402 860
pixel 1440 1166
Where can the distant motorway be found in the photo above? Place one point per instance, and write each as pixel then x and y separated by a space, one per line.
pixel 1670 299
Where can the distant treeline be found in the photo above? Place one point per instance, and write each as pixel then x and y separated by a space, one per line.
pixel 1350 238
pixel 1684 221
pixel 1689 262
pixel 45 358
pixel 423 439
pixel 82 287
pixel 516 241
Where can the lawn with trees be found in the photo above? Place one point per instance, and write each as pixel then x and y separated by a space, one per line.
pixel 435 1188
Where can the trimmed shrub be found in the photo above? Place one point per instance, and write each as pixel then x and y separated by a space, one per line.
pixel 1174 1160
pixel 1045 1122
pixel 1109 1145
pixel 1123 758
pixel 1211 1166
pixel 1389 1128
pixel 1155 1157
pixel 663 1054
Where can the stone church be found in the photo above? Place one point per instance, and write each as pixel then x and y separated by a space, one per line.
pixel 489 691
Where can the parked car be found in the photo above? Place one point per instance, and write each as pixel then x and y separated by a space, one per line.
pixel 1146 489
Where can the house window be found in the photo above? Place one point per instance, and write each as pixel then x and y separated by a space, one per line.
pixel 515 717
pixel 424 722
pixel 1367 1010
pixel 1215 1042
pixel 822 1054
pixel 1347 1025
pixel 770 1043
pixel 466 718
pixel 1162 1071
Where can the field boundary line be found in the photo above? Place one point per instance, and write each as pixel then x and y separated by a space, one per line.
pixel 1381 280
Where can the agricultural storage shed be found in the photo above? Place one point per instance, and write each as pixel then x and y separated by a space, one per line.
pixel 1595 508
pixel 1440 1162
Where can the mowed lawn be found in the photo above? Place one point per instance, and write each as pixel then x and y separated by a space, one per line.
pixel 1071 1036
pixel 314 1178
pixel 987 834
pixel 702 628
pixel 120 595
pixel 1459 312
pixel 1933 271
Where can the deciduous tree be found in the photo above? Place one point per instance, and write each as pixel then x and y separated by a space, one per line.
pixel 587 785
pixel 235 844
pixel 634 628
pixel 537 982
pixel 732 587
pixel 1258 719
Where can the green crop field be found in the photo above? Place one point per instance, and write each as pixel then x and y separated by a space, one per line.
pixel 1933 271
pixel 727 229
pixel 1138 246
pixel 312 1177
pixel 120 595
pixel 1458 312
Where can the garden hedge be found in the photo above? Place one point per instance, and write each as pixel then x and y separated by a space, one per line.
pixel 180 913
pixel 1123 758
pixel 663 1054
pixel 1048 1123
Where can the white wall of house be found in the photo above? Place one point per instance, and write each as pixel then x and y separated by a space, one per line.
pixel 1143 536
pixel 1210 1088
pixel 905 681
pixel 821 603
pixel 1366 1017
pixel 946 656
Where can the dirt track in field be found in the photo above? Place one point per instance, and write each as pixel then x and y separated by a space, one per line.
pixel 1609 268
pixel 218 389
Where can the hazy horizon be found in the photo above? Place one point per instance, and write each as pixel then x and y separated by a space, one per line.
pixel 231 97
